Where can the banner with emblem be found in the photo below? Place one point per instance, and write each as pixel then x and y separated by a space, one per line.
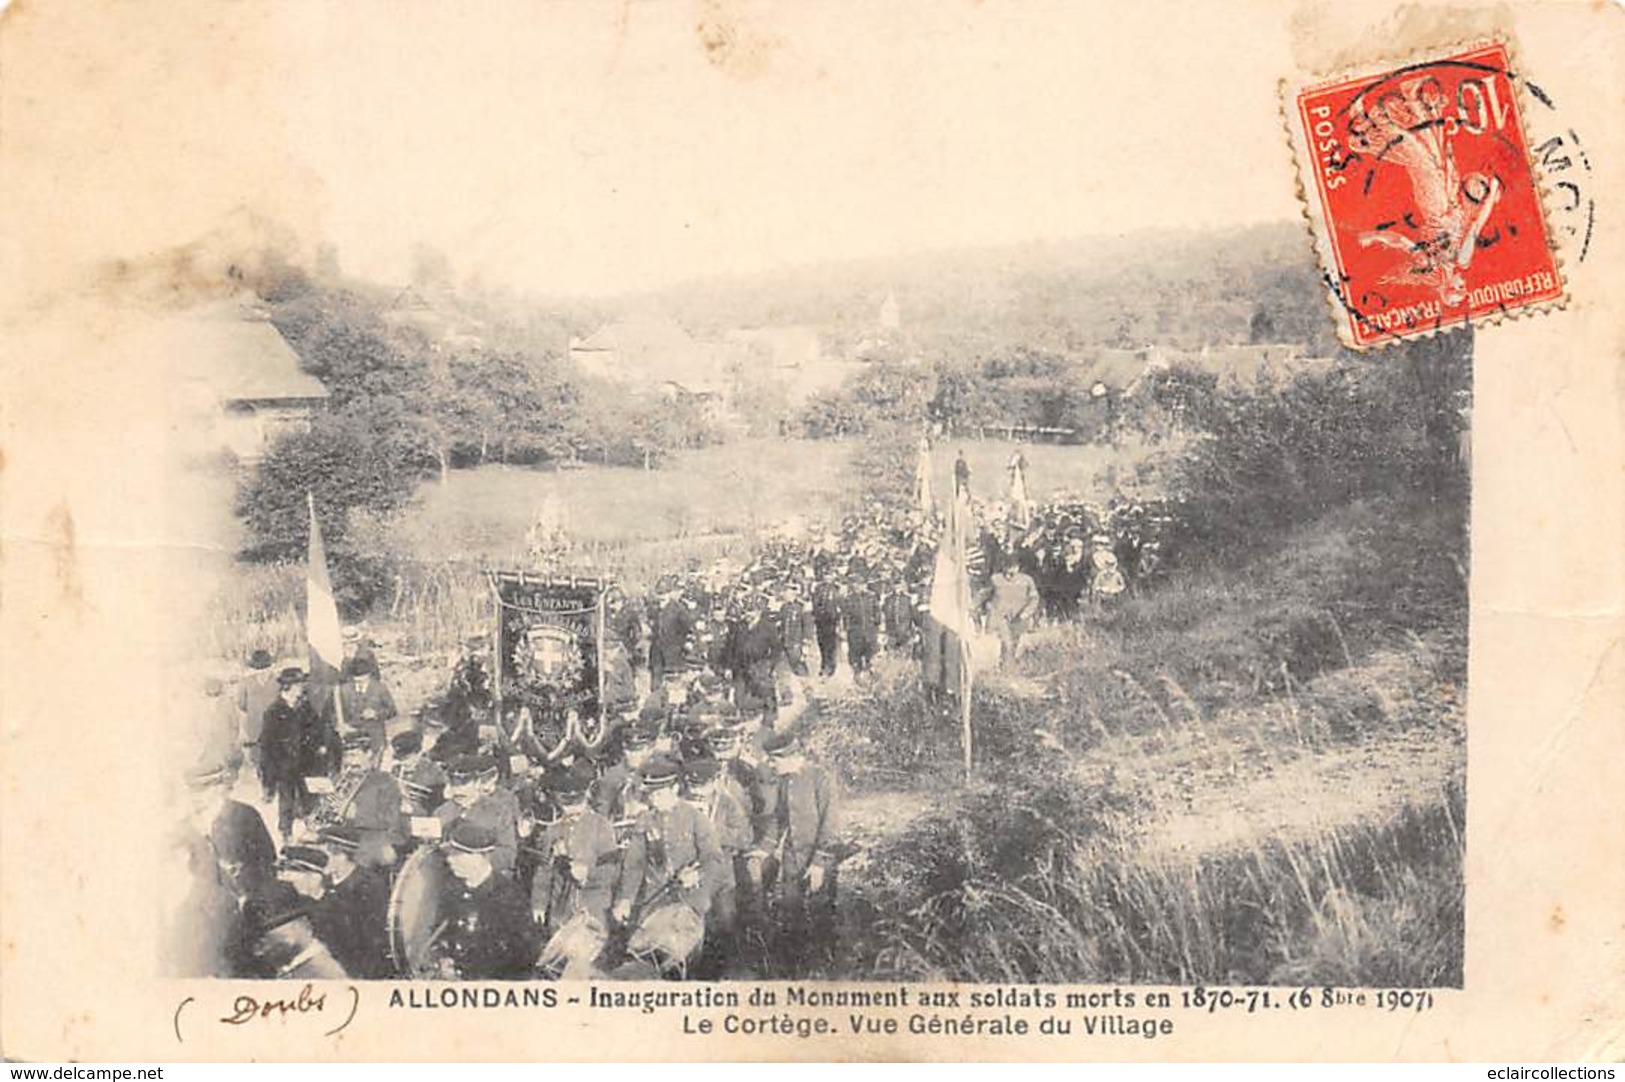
pixel 549 636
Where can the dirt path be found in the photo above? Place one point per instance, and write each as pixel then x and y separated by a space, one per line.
pixel 1215 794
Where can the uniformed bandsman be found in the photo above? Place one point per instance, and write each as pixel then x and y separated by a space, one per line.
pixel 489 933
pixel 473 794
pixel 283 944
pixel 304 868
pixel 798 842
pixel 353 917
pixel 671 865
pixel 423 781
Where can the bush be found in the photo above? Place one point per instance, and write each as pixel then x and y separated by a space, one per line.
pixel 342 464
pixel 1276 456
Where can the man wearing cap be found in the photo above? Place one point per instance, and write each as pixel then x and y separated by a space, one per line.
pixel 897 608
pixel 468 695
pixel 826 615
pixel 707 787
pixel 304 868
pixel 283 942
pixel 294 745
pixel 352 918
pixel 585 869
pixel 619 680
pixel 860 614
pixel 475 796
pixel 673 857
pixel 624 623
pixel 237 839
pixel 257 691
pixel 617 788
pixel 367 704
pixel 756 649
pixel 794 623
pixel 489 932
pixel 375 809
pixel 423 781
pixel 796 838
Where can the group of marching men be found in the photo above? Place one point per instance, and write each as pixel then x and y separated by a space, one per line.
pixel 866 586
pixel 698 840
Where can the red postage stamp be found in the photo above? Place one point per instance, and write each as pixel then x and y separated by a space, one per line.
pixel 1422 196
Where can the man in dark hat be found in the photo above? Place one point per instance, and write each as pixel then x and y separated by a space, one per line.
pixel 671 628
pixel 538 870
pixel 617 792
pixel 826 614
pixel 375 808
pixel 237 839
pixel 860 615
pixel 586 859
pixel 680 845
pixel 294 745
pixel 897 609
pixel 475 795
pixel 798 841
pixel 283 942
pixel 489 933
pixel 304 868
pixel 623 620
pixel 256 692
pixel 756 649
pixel 619 679
pixel 352 918
pixel 468 694
pixel 794 627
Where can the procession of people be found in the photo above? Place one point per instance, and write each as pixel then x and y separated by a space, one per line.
pixel 698 839
pixel 687 833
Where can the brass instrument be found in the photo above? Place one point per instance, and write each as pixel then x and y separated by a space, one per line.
pixel 331 808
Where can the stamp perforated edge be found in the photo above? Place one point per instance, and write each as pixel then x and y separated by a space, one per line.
pixel 1313 210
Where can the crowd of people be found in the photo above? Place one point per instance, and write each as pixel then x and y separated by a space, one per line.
pixel 694 837
pixel 697 840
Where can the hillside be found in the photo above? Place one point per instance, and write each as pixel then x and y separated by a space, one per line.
pixel 1176 287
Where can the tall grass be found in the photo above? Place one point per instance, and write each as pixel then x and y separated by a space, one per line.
pixel 1051 884
pixel 1061 864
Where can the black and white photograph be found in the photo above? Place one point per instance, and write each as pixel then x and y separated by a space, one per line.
pixel 720 496
pixel 1058 609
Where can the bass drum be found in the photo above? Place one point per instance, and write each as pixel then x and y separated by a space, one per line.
pixel 417 913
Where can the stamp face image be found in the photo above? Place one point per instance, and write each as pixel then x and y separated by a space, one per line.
pixel 1423 198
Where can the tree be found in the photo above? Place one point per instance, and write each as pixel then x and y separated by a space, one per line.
pixel 341 464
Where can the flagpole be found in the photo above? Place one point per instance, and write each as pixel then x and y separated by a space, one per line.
pixel 338 700
pixel 964 703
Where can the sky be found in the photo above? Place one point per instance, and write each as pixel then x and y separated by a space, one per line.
pixel 597 148
pixel 584 148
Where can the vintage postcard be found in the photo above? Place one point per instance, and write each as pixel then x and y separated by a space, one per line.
pixel 735 530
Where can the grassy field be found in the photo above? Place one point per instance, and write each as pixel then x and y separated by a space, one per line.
pixel 732 490
pixel 629 523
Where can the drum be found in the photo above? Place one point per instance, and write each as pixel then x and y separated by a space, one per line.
pixel 670 937
pixel 574 949
pixel 418 915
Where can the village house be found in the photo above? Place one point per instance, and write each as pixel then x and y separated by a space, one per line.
pixel 235 360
